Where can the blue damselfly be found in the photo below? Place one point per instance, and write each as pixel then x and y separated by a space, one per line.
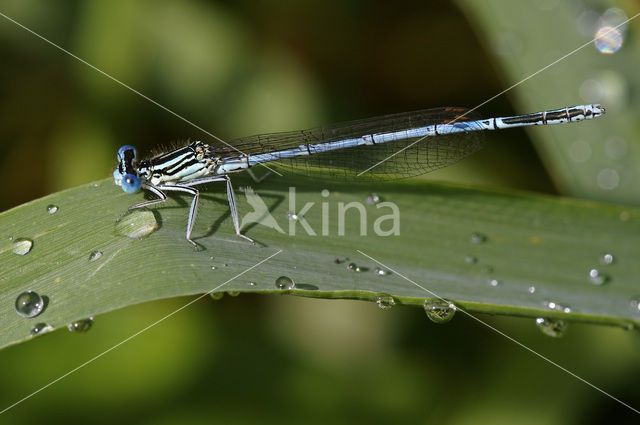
pixel 392 146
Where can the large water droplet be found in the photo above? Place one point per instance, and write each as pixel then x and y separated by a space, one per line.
pixel 478 238
pixel 284 282
pixel 22 246
pixel 137 224
pixel 385 301
pixel 607 259
pixel 596 277
pixel 438 310
pixel 52 209
pixel 555 328
pixel 373 199
pixel 29 304
pixel 95 255
pixel 81 325
pixel 40 328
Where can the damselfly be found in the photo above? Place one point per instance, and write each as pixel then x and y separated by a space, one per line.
pixel 392 146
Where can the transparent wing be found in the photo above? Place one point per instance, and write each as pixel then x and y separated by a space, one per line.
pixel 397 159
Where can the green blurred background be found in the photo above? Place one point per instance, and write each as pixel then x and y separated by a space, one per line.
pixel 237 68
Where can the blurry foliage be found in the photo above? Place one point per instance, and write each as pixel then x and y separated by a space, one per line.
pixel 240 67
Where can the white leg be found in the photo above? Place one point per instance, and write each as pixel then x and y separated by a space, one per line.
pixel 192 210
pixel 230 196
pixel 234 210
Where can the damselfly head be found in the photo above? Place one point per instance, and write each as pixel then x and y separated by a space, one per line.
pixel 125 175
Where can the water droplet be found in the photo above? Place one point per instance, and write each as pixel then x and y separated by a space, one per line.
pixel 52 209
pixel 95 255
pixel 233 293
pixel 284 282
pixel 353 267
pixel 385 301
pixel 82 325
pixel 325 193
pixel 373 199
pixel 494 282
pixel 478 238
pixel 580 151
pixel 470 259
pixel 487 269
pixel 614 16
pixel 29 304
pixel 531 289
pixel 22 246
pixel 608 179
pixel 213 267
pixel 616 147
pixel 555 328
pixel 608 39
pixel 607 259
pixel 137 224
pixel 596 277
pixel 635 304
pixel 217 295
pixel 291 216
pixel 438 310
pixel 380 272
pixel 40 328
pixel 551 305
pixel 507 44
pixel 252 284
pixel 587 22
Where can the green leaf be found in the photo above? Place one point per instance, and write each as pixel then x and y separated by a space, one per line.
pixel 597 162
pixel 521 240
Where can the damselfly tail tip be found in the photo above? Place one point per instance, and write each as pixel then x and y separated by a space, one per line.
pixel 597 110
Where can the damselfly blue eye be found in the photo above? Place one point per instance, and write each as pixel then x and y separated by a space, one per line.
pixel 124 149
pixel 130 183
